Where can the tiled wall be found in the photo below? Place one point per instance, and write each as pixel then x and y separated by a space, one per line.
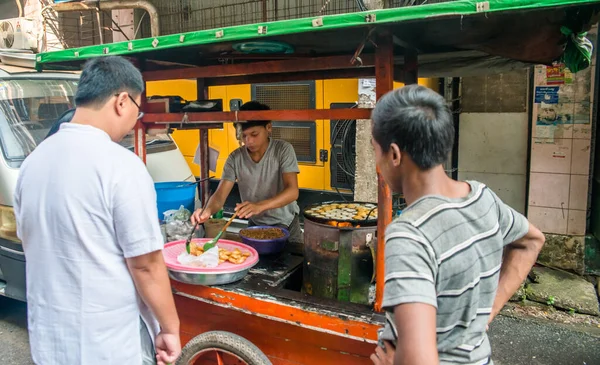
pixel 560 153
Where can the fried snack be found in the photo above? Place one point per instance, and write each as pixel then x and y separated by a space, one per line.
pixel 195 249
pixel 235 257
pixel 236 261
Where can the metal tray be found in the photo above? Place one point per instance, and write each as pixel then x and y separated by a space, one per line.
pixel 365 222
pixel 196 278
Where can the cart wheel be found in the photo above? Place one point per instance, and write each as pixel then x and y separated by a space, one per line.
pixel 221 348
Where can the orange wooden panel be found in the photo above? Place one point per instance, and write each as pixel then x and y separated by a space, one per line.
pixel 283 343
pixel 332 322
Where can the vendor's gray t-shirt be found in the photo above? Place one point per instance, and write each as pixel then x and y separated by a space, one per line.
pixel 263 180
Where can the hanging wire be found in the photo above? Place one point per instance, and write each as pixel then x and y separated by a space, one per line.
pixel 345 133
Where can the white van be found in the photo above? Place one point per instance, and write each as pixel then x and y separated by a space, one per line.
pixel 30 104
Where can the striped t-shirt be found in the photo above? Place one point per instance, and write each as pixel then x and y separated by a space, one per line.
pixel 447 253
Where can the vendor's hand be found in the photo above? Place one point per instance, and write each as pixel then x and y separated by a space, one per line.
pixel 384 357
pixel 247 210
pixel 168 348
pixel 200 218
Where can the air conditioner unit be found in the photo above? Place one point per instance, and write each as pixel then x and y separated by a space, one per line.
pixel 17 34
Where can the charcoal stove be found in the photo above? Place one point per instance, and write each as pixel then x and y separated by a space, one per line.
pixel 339 251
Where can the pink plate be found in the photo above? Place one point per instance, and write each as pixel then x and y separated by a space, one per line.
pixel 175 248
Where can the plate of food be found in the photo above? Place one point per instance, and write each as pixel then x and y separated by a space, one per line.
pixel 235 260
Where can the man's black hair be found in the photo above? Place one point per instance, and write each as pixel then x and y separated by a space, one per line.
pixel 105 77
pixel 418 120
pixel 254 105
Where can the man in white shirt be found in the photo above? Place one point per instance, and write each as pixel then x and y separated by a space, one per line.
pixel 97 286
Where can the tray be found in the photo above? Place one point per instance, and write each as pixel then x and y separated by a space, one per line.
pixel 225 273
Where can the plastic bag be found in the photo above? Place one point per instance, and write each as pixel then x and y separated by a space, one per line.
pixel 209 259
pixel 178 225
pixel 578 52
pixel 180 214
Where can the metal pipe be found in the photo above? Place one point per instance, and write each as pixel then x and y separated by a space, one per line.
pixel 100 30
pixel 20 8
pixel 114 5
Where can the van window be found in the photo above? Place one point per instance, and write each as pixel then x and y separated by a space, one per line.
pixel 28 109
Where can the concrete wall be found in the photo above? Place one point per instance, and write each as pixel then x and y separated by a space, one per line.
pixel 493 131
pixel 493 150
pixel 365 185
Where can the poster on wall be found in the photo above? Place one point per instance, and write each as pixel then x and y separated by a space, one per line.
pixel 558 74
pixel 561 101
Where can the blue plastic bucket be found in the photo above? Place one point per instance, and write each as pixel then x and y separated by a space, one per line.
pixel 172 195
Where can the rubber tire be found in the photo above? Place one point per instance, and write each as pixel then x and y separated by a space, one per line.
pixel 233 343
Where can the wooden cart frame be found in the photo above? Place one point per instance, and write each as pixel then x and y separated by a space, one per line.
pixel 452 38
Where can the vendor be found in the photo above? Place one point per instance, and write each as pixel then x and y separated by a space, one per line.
pixel 266 171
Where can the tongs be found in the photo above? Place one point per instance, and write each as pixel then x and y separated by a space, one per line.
pixel 210 244
pixel 189 239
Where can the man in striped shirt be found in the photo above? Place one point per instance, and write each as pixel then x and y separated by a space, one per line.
pixel 445 273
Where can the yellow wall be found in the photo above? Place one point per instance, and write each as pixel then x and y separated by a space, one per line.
pixel 312 176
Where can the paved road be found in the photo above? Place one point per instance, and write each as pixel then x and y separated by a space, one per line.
pixel 514 341
pixel 14 346
pixel 518 341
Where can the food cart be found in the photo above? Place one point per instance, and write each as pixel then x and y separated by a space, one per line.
pixel 270 310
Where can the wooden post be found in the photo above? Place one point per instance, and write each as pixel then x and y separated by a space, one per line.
pixel 384 76
pixel 204 166
pixel 411 66
pixel 140 140
pixel 139 135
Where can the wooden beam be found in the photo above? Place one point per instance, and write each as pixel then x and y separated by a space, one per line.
pixel 362 72
pixel 411 66
pixel 384 78
pixel 204 186
pixel 254 68
pixel 275 115
pixel 139 133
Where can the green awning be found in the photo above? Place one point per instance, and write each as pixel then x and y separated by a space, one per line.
pixel 484 33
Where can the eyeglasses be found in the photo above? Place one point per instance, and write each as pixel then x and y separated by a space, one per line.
pixel 141 113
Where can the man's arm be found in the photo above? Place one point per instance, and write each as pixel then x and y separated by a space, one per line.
pixel 215 203
pixel 138 234
pixel 417 342
pixel 519 258
pixel 288 195
pixel 152 283
pixel 410 277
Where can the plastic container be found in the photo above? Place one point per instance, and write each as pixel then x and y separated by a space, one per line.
pixel 213 227
pixel 266 247
pixel 172 195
